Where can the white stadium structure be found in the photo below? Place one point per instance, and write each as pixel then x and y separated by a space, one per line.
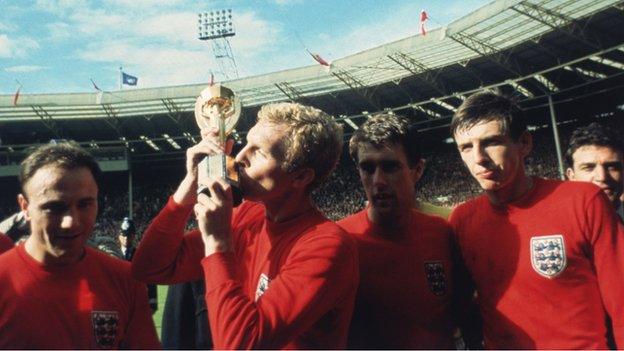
pixel 562 51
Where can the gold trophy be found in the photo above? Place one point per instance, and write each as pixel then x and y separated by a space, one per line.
pixel 218 107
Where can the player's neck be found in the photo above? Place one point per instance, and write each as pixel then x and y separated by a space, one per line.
pixel 397 222
pixel 286 208
pixel 514 191
pixel 39 253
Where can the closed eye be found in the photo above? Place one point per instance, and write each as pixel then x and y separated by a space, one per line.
pixel 464 147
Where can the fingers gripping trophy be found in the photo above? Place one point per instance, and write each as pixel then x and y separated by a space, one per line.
pixel 217 107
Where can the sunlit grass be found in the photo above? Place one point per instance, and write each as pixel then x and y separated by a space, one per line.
pixel 162 296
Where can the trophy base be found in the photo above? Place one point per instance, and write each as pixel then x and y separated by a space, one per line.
pixel 220 166
pixel 237 192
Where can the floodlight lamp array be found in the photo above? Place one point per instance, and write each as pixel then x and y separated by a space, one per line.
pixel 215 24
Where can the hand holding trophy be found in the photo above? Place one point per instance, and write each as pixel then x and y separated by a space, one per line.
pixel 217 107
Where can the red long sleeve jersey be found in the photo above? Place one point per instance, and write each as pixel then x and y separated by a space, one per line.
pixel 5 243
pixel 93 304
pixel 404 297
pixel 546 267
pixel 285 285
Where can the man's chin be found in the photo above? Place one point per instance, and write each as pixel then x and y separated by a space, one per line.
pixel 489 185
pixel 67 243
pixel 67 253
pixel 382 212
pixel 614 198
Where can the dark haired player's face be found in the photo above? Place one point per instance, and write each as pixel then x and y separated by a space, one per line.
pixel 387 180
pixel 600 165
pixel 61 205
pixel 493 158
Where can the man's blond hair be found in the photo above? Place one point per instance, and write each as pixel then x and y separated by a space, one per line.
pixel 313 140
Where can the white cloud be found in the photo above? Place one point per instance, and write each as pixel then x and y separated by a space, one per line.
pixel 18 47
pixel 24 68
pixel 96 21
pixel 154 65
pixel 174 27
pixel 164 49
pixel 254 35
pixel 59 31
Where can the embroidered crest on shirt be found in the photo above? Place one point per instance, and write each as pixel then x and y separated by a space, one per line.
pixel 105 324
pixel 548 256
pixel 436 277
pixel 263 285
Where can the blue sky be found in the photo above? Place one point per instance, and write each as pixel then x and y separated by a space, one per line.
pixel 58 46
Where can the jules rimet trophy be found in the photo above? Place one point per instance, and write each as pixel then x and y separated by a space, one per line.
pixel 218 107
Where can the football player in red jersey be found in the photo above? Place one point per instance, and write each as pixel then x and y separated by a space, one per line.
pixel 58 293
pixel 546 256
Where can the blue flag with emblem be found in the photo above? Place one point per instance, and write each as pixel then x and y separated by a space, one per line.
pixel 128 79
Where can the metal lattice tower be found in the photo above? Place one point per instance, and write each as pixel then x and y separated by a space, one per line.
pixel 216 26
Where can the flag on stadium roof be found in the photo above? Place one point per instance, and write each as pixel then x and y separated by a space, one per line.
pixel 98 97
pixel 95 85
pixel 16 95
pixel 318 59
pixel 423 18
pixel 128 79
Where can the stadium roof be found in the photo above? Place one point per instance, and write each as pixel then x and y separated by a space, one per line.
pixel 528 48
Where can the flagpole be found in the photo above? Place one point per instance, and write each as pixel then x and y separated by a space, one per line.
pixel 17 92
pixel 120 78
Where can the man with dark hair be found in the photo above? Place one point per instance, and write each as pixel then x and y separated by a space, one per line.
pixel 596 154
pixel 547 257
pixel 278 273
pixel 56 292
pixel 406 265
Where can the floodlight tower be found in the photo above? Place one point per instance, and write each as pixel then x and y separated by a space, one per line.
pixel 216 27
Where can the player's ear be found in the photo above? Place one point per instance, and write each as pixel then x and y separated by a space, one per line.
pixel 23 204
pixel 417 170
pixel 569 173
pixel 303 177
pixel 526 143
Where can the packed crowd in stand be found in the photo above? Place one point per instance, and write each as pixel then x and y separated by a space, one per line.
pixel 308 260
pixel 445 182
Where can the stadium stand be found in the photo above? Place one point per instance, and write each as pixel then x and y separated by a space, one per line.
pixel 445 182
pixel 570 52
pixel 567 51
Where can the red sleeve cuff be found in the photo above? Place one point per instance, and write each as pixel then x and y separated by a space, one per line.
pixel 218 268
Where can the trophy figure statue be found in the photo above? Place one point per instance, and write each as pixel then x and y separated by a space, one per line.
pixel 219 108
